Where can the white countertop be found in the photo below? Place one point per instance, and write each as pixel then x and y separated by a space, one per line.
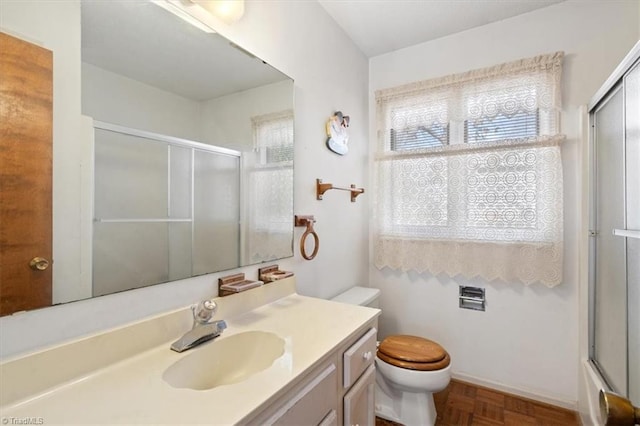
pixel 133 390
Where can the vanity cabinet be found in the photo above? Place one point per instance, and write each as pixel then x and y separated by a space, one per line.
pixel 340 391
pixel 325 374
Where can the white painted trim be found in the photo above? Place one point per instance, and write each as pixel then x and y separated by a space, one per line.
pixel 87 184
pixel 547 399
pixel 594 383
pixel 585 262
pixel 616 75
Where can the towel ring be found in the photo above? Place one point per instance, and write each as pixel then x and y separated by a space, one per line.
pixel 308 221
pixel 309 231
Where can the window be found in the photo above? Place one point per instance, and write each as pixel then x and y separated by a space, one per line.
pixel 468 174
pixel 270 177
pixel 273 138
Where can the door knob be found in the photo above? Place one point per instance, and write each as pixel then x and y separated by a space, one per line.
pixel 39 263
pixel 616 410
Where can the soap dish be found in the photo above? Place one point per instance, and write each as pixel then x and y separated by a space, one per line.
pixel 236 283
pixel 272 273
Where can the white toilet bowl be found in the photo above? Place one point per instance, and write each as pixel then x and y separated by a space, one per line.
pixel 410 369
pixel 415 381
pixel 404 390
pixel 406 396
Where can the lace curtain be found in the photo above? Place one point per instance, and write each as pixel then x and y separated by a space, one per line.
pixel 273 137
pixel 270 188
pixel 469 174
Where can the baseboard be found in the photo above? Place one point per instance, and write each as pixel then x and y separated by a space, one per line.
pixel 551 400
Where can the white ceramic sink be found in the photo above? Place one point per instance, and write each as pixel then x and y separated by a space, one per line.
pixel 225 361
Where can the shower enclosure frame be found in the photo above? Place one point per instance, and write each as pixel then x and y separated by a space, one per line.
pixel 170 141
pixel 614 84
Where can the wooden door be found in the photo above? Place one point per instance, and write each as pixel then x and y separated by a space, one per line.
pixel 26 126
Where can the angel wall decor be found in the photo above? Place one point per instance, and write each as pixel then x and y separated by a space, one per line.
pixel 337 136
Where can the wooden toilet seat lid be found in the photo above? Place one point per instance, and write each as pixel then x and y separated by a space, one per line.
pixel 413 352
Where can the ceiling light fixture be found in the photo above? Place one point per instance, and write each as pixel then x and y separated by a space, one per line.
pixel 228 11
pixel 180 13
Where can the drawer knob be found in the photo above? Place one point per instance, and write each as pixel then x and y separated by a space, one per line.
pixel 366 355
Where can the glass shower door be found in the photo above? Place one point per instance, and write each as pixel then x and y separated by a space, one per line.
pixel 632 154
pixel 615 298
pixel 129 248
pixel 216 206
pixel 609 345
pixel 164 209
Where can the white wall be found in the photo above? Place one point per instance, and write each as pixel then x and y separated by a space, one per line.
pixel 226 121
pixel 527 340
pixel 330 74
pixel 300 39
pixel 111 97
pixel 223 121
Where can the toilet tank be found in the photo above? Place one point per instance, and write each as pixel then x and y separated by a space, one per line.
pixel 363 296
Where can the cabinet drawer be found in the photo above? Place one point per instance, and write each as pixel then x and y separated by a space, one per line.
pixel 330 420
pixel 358 357
pixel 311 404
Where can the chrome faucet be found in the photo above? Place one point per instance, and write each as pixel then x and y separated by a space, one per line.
pixel 203 328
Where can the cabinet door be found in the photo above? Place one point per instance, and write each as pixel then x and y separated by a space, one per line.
pixel 359 405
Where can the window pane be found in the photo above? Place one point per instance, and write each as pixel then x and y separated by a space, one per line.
pixel 279 154
pixel 500 127
pixel 501 189
pixel 415 194
pixel 419 137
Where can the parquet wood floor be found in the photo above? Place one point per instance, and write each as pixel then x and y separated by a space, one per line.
pixel 464 404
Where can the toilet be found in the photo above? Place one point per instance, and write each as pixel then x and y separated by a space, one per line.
pixel 409 370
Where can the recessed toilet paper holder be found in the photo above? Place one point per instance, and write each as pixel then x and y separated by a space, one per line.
pixel 472 298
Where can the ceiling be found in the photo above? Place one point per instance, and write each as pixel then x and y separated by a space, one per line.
pixel 382 26
pixel 146 43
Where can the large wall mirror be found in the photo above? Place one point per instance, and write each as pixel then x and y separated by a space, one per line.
pixel 190 140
